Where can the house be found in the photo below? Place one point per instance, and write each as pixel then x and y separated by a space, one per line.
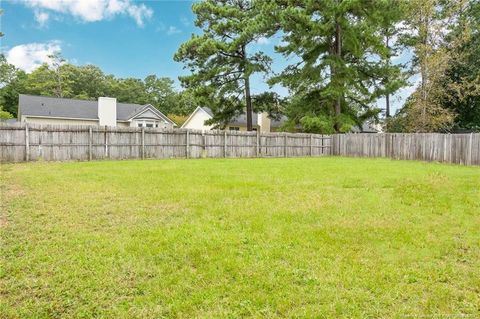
pixel 367 127
pixel 106 111
pixel 260 121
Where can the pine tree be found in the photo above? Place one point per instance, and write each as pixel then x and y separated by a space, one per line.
pixel 461 83
pixel 220 58
pixel 339 48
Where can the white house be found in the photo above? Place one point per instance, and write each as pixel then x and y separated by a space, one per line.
pixel 260 121
pixel 105 111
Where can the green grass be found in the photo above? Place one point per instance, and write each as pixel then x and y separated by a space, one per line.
pixel 309 237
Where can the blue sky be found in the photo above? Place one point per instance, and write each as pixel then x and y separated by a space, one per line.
pixel 125 38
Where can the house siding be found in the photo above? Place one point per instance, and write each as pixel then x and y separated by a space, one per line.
pixel 197 121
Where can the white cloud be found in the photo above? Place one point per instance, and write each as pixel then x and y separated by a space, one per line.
pixel 185 21
pixel 94 10
pixel 173 30
pixel 263 41
pixel 30 56
pixel 41 17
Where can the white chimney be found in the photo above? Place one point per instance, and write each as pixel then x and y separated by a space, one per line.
pixel 107 111
pixel 264 122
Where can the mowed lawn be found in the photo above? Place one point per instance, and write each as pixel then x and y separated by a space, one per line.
pixel 230 238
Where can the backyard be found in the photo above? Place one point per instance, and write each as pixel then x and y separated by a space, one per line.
pixel 305 237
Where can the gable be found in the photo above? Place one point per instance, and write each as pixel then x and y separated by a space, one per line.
pixel 149 112
pixel 197 120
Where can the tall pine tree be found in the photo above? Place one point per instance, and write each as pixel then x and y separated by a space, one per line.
pixel 220 58
pixel 340 52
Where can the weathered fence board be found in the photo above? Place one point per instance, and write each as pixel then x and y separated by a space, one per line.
pixel 23 142
pixel 449 148
pixel 26 142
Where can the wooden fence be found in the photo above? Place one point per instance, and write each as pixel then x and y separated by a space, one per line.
pixel 448 148
pixel 27 142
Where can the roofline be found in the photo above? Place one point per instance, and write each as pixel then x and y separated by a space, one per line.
pixel 61 117
pixel 68 118
pixel 155 110
pixel 191 115
pixel 83 100
pixel 63 98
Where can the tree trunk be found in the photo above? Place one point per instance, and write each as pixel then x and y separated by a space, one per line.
pixel 248 96
pixel 248 103
pixel 338 54
pixel 387 105
pixel 424 57
pixel 387 96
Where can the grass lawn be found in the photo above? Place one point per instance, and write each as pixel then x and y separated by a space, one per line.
pixel 306 237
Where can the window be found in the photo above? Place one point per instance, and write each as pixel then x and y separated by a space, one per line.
pixel 148 123
pixel 234 128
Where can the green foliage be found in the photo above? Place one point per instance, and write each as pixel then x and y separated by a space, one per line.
pixel 4 115
pixel 321 124
pixel 62 79
pixel 340 52
pixel 220 60
pixel 270 102
pixel 462 77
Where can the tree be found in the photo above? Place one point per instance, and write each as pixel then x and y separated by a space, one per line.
pixel 339 49
pixel 185 103
pixel 12 83
pixel 1 13
pixel 393 75
pixel 427 23
pixel 57 60
pixel 160 93
pixel 220 59
pixel 63 79
pixel 4 115
pixel 271 103
pixel 461 83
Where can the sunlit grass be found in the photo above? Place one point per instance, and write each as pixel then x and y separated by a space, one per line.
pixel 312 237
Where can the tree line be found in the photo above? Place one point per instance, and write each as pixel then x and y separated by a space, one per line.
pixel 347 56
pixel 347 61
pixel 61 79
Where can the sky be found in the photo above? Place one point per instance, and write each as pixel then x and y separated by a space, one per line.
pixel 125 38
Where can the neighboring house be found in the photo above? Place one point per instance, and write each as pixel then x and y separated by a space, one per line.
pixel 367 127
pixel 106 111
pixel 260 121
pixel 9 121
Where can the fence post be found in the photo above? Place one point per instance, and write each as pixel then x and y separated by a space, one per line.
pixel 470 150
pixel 187 146
pixel 204 144
pixel 90 135
pixel 258 143
pixel 105 141
pixel 284 144
pixel 27 144
pixel 444 147
pixel 311 145
pixel 323 145
pixel 333 145
pixel 225 144
pixel 143 142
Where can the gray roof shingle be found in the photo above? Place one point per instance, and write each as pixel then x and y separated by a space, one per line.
pixel 241 120
pixel 72 108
